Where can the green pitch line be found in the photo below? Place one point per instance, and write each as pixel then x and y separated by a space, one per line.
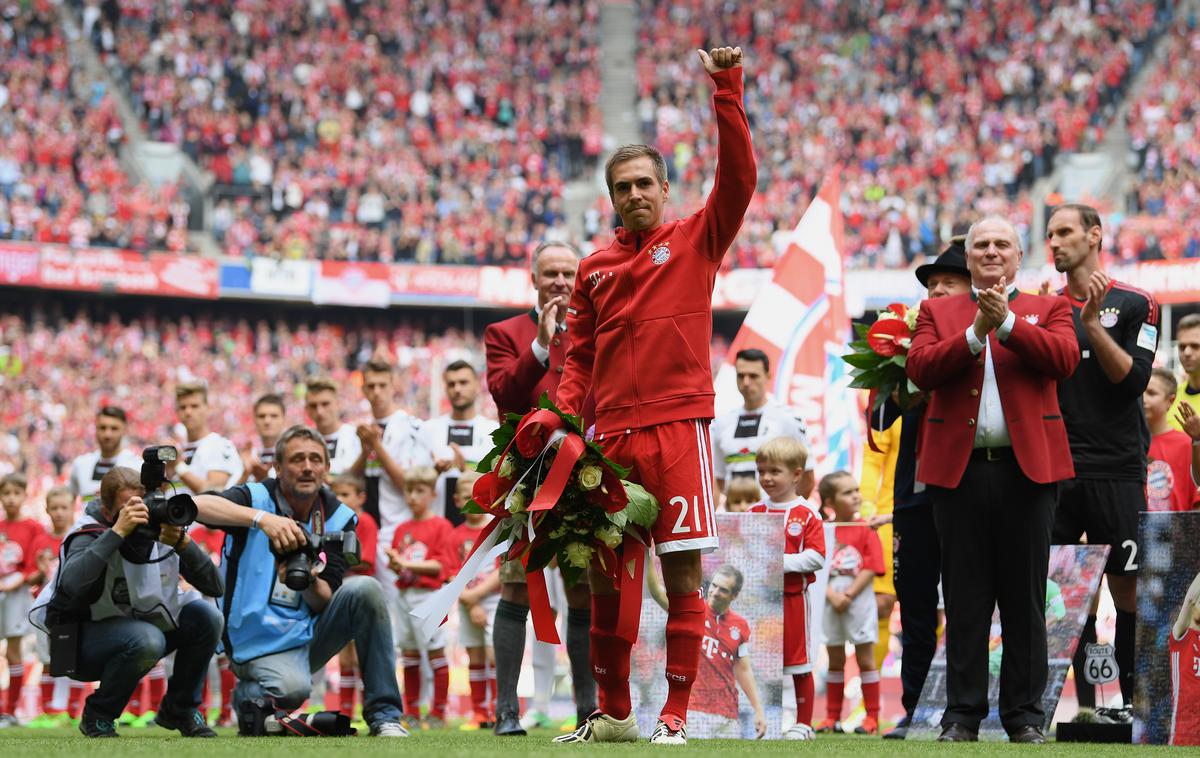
pixel 153 743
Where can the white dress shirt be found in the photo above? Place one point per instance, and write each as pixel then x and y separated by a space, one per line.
pixel 541 353
pixel 991 430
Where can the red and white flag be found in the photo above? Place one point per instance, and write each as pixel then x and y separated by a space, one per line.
pixel 799 320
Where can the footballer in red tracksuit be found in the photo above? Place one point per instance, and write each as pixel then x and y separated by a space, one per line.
pixel 640 320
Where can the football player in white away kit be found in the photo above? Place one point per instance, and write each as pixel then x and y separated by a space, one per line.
pixel 458 439
pixel 207 461
pixel 88 469
pixel 738 434
pixel 323 407
pixel 269 421
pixel 391 444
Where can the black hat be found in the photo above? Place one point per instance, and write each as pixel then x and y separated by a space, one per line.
pixel 953 260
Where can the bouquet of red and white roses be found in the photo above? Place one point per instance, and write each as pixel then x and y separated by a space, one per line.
pixel 554 496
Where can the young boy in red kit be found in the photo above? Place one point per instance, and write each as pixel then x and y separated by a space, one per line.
pixel 18 570
pixel 850 612
pixel 640 321
pixel 352 490
pixel 1171 462
pixel 418 556
pixel 60 507
pixel 476 607
pixel 781 465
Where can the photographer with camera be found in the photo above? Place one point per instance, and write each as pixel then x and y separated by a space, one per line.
pixel 287 609
pixel 115 609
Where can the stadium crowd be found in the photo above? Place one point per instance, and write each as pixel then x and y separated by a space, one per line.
pixel 934 112
pixel 440 132
pixel 1163 134
pixel 60 175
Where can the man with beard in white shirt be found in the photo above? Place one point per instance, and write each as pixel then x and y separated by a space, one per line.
pixel 88 469
pixel 208 461
pixel 392 444
pixel 324 408
pixel 738 434
pixel 459 438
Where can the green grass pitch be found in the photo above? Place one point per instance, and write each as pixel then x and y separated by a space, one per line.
pixel 154 743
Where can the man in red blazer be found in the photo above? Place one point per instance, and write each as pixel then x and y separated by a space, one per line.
pixel 525 356
pixel 993 449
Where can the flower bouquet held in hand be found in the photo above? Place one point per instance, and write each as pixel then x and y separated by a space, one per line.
pixel 878 357
pixel 554 496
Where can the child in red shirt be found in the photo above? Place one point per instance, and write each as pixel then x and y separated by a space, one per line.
pixel 60 507
pixel 850 612
pixel 781 465
pixel 1171 461
pixel 18 571
pixel 419 558
pixel 352 490
pixel 476 606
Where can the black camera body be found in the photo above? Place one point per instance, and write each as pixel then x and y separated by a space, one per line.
pixel 297 571
pixel 177 510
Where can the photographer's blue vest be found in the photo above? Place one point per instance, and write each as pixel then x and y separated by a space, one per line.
pixel 265 616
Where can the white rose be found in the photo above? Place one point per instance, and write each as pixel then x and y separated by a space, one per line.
pixel 507 467
pixel 579 554
pixel 610 535
pixel 515 503
pixel 590 478
pixel 910 317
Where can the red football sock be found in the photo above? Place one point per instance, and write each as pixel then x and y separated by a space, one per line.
pixel 346 690
pixel 228 682
pixel 610 657
pixel 441 686
pixel 835 693
pixel 412 686
pixel 685 629
pixel 137 703
pixel 479 685
pixel 16 680
pixel 45 693
pixel 75 702
pixel 805 694
pixel 157 686
pixel 870 693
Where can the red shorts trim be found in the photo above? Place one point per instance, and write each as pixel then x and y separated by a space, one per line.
pixel 797 657
pixel 673 461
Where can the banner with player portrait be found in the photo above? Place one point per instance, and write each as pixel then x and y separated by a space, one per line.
pixel 1166 703
pixel 1073 581
pixel 741 654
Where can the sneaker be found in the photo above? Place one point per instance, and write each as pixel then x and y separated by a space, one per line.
pixel 126 719
pixel 600 727
pixel 189 723
pixel 536 720
pixel 410 722
pixel 50 721
pixel 7 720
pixel 474 724
pixel 389 729
pixel 144 721
pixel 94 727
pixel 800 732
pixel 869 725
pixel 673 733
pixel 435 722
pixel 827 725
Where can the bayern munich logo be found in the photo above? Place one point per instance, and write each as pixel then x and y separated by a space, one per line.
pixel 1160 480
pixel 660 254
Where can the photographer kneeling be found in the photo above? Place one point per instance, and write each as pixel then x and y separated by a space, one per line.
pixel 114 609
pixel 287 609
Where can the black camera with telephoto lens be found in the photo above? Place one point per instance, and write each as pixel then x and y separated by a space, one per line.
pixel 298 564
pixel 177 510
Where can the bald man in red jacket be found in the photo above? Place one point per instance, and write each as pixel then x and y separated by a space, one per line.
pixel 640 320
pixel 992 451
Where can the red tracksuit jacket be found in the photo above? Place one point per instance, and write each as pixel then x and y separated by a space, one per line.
pixel 640 317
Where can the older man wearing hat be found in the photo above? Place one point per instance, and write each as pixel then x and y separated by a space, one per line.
pixel 917 560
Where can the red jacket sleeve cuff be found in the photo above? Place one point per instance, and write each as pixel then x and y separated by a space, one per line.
pixel 729 80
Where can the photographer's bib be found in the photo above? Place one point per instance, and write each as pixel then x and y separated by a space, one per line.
pixel 264 616
pixel 145 591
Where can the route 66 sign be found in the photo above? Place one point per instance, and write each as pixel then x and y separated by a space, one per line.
pixel 1100 664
